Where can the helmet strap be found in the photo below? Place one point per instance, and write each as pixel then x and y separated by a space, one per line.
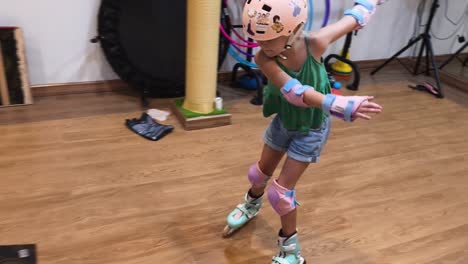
pixel 291 40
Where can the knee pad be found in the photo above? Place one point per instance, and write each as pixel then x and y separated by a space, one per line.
pixel 257 177
pixel 281 199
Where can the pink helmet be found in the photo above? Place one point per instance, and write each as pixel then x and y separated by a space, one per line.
pixel 269 19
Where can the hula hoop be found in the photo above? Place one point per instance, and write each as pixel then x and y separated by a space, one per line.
pixel 240 59
pixel 327 13
pixel 243 52
pixel 310 20
pixel 235 42
pixel 242 38
pixel 308 26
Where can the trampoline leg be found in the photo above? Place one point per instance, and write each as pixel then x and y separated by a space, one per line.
pixel 144 97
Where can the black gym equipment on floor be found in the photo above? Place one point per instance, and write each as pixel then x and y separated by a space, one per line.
pixel 354 86
pixel 145 43
pixel 426 46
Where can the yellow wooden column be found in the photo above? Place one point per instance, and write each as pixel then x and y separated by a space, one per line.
pixel 202 55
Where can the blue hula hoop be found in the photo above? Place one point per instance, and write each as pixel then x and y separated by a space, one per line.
pixel 240 59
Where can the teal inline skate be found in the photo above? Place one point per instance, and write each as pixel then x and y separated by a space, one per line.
pixel 242 214
pixel 289 251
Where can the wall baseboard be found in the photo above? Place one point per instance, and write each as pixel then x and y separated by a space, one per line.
pixel 78 88
pixel 119 85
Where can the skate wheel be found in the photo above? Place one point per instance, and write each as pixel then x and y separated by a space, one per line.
pixel 227 231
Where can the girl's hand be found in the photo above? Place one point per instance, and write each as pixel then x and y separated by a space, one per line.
pixel 368 107
pixel 350 108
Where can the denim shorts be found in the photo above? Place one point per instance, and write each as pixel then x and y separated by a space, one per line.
pixel 299 146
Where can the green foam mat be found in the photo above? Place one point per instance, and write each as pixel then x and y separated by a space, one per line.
pixel 189 114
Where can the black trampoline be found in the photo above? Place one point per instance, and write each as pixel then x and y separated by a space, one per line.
pixel 144 42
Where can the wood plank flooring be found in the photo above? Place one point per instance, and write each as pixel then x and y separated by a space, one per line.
pixel 76 182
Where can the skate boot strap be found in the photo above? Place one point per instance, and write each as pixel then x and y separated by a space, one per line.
pixel 280 260
pixel 244 210
pixel 288 248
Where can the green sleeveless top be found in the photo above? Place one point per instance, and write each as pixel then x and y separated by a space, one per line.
pixel 312 73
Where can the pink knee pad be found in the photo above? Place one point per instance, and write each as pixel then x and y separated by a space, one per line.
pixel 257 177
pixel 281 199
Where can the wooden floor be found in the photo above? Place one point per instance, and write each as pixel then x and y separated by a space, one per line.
pixel 76 182
pixel 455 67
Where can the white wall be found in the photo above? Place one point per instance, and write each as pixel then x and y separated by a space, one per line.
pixel 57 34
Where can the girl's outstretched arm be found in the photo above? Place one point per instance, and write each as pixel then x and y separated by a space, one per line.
pixel 320 40
pixel 306 96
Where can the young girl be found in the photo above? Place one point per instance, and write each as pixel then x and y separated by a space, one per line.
pixel 299 94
